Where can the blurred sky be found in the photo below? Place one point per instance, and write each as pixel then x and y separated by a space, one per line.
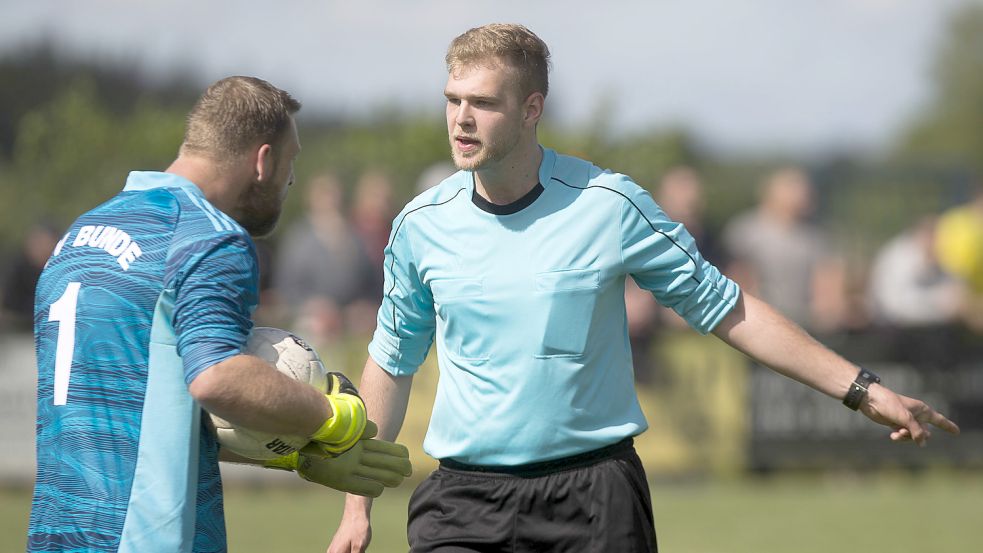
pixel 798 77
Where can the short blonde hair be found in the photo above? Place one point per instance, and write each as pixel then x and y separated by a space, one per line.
pixel 235 114
pixel 513 44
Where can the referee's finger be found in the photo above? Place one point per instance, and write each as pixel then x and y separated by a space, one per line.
pixel 918 434
pixel 900 434
pixel 939 420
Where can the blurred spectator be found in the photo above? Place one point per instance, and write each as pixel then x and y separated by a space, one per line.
pixel 908 287
pixel 959 241
pixel 778 254
pixel 643 328
pixel 434 174
pixel 372 217
pixel 914 303
pixel 680 195
pixel 373 214
pixel 21 276
pixel 322 273
pixel 269 312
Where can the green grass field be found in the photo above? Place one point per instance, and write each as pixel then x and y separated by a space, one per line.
pixel 897 513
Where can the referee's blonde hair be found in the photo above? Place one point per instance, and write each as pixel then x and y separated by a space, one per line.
pixel 512 44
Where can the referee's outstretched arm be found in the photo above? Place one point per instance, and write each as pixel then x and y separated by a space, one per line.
pixel 757 330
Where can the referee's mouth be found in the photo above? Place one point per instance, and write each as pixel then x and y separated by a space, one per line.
pixel 466 144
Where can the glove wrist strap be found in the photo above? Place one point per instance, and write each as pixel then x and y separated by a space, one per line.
pixel 346 424
pixel 287 462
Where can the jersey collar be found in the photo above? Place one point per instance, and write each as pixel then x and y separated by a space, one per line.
pixel 546 166
pixel 147 180
pixel 545 174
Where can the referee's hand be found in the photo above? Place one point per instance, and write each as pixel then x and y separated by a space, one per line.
pixel 908 417
pixel 354 533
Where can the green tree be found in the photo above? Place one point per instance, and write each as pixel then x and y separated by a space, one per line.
pixel 34 74
pixel 950 130
pixel 73 153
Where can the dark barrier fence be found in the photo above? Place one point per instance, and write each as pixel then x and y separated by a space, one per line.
pixel 794 427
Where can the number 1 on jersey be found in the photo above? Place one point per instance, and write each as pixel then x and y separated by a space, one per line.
pixel 63 312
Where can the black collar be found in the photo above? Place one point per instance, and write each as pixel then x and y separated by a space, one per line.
pixel 510 208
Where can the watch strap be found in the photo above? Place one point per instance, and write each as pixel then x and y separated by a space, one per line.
pixel 858 389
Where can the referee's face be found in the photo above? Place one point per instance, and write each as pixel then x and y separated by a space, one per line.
pixel 484 115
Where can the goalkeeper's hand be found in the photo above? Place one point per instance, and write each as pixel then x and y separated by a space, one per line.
pixel 365 469
pixel 348 419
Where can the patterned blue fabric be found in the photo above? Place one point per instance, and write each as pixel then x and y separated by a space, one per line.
pixel 142 294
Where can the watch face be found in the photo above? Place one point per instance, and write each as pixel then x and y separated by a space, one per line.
pixel 868 376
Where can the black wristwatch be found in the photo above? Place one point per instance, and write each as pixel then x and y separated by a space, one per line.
pixel 858 390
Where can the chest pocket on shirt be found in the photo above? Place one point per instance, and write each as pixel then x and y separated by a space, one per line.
pixel 568 297
pixel 456 304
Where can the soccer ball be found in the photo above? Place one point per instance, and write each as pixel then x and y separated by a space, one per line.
pixel 294 358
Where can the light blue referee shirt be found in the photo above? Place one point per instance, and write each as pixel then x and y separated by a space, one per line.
pixel 527 308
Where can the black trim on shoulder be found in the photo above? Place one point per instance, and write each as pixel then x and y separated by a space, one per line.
pixel 640 212
pixel 507 209
pixel 393 263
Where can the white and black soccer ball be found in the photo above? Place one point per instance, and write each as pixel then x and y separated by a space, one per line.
pixel 293 357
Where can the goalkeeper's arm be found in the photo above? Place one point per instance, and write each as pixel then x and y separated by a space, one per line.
pixel 249 392
pixel 339 432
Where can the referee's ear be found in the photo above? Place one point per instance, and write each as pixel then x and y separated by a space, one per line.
pixel 532 109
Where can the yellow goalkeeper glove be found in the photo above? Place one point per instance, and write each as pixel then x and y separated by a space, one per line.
pixel 366 469
pixel 348 419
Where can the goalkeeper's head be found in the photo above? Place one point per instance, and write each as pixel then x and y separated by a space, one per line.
pixel 242 129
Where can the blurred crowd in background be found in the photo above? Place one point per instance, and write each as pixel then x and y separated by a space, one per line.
pixel 921 291
pixel 878 252
pixel 884 249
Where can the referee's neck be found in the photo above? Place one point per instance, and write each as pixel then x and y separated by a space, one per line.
pixel 511 178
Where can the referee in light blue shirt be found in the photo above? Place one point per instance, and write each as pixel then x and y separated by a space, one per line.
pixel 516 267
pixel 527 301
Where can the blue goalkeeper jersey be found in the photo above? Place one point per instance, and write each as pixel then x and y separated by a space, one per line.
pixel 142 294
pixel 526 305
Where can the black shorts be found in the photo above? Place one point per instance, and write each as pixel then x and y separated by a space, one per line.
pixel 597 502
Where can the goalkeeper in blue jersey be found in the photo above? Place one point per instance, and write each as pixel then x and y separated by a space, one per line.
pixel 140 317
pixel 515 266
